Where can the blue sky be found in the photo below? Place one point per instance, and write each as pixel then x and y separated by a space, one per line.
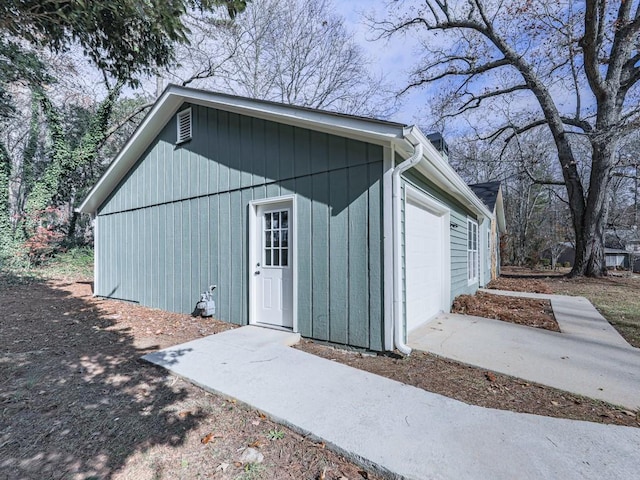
pixel 392 57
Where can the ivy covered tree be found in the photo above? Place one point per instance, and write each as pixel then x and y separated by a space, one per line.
pixel 50 148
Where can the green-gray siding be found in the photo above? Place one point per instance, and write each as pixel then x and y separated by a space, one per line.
pixel 179 222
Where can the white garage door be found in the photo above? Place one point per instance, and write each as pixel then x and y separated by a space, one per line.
pixel 424 263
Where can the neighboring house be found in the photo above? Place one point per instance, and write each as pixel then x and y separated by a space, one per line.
pixel 344 229
pixel 618 258
pixel 491 194
pixel 627 239
pixel 614 257
pixel 624 239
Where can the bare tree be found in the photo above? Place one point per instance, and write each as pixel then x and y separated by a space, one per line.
pixel 566 66
pixel 536 213
pixel 291 51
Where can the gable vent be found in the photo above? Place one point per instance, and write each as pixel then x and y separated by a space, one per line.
pixel 184 125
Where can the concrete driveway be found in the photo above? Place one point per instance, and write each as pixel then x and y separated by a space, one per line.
pixel 589 357
pixel 396 429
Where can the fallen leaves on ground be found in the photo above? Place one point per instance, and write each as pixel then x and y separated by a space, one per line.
pixel 207 438
pixel 530 312
pixel 73 381
pixel 520 285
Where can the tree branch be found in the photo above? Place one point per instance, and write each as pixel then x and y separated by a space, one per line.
pixel 470 72
pixel 122 123
pixel 538 181
pixel 590 43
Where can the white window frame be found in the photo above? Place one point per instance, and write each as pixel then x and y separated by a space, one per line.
pixel 272 248
pixel 473 252
pixel 184 113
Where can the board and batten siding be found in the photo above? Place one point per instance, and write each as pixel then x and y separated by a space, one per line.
pixel 178 222
pixel 458 231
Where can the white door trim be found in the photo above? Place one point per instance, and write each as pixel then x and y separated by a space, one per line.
pixel 444 213
pixel 254 227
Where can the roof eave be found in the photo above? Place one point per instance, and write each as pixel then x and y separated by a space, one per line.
pixel 144 134
pixel 174 96
pixel 437 168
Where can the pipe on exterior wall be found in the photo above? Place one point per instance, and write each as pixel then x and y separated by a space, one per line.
pixel 398 327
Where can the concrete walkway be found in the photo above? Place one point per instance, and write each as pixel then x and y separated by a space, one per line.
pixel 399 430
pixel 589 357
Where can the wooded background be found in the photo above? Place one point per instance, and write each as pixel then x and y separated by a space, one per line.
pixel 540 95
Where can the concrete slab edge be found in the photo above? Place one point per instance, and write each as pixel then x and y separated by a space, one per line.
pixel 568 328
pixel 358 460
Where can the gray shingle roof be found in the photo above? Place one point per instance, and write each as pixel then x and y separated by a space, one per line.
pixel 487 192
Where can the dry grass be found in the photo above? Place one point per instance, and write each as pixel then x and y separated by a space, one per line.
pixel 616 297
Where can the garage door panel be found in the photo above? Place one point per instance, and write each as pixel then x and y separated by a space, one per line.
pixel 424 263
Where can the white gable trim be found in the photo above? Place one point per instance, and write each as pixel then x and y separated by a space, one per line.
pixel 367 130
pixel 373 131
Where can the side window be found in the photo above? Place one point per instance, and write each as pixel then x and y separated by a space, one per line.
pixel 472 251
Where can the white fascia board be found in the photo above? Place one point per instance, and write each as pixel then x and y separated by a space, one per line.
pixel 349 126
pixel 372 131
pixel 149 129
pixel 438 170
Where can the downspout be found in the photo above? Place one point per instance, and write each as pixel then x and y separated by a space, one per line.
pixel 398 327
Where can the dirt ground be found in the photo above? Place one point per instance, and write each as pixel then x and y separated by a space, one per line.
pixel 77 402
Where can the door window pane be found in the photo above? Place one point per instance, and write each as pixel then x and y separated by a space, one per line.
pixel 276 239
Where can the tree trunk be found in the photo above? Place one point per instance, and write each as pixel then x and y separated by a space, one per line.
pixel 590 259
pixel 71 231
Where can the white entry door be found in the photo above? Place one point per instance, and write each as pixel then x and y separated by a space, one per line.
pixel 273 269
